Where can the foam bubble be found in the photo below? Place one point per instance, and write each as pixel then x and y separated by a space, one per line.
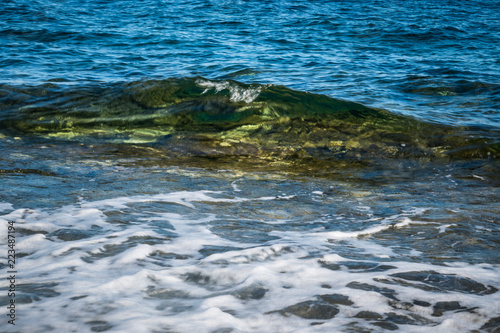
pixel 155 269
pixel 237 93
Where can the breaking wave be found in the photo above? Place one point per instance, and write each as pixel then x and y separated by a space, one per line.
pixel 224 118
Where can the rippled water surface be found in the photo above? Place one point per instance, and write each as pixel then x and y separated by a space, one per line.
pixel 250 166
pixel 434 60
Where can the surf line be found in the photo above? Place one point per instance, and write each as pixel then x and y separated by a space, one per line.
pixel 11 273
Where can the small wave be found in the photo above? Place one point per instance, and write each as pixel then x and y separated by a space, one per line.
pixel 428 85
pixel 227 119
pixel 416 34
pixel 367 232
pixel 48 36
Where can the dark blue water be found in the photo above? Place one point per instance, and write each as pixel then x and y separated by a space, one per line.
pixel 188 166
pixel 434 60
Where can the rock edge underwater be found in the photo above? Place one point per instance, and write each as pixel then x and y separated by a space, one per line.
pixel 227 121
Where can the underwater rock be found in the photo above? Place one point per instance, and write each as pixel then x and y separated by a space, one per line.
pixel 368 315
pixel 233 123
pixel 99 325
pixel 67 234
pixel 389 293
pixel 441 307
pixel 492 326
pixel 386 325
pixel 447 282
pixel 336 299
pixel 251 292
pixel 312 310
pixel 421 303
pixel 165 293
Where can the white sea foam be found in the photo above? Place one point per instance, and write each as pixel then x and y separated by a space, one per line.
pixel 366 232
pixel 237 93
pixel 5 206
pixel 183 198
pixel 444 227
pixel 167 271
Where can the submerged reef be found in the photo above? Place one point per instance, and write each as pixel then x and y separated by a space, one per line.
pixel 228 121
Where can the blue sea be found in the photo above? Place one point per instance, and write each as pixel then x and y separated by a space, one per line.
pixel 249 166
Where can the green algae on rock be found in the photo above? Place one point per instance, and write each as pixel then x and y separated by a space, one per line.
pixel 195 117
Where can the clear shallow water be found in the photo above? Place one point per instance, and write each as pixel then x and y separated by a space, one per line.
pixel 226 219
pixel 172 249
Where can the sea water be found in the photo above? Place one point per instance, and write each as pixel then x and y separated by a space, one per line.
pixel 249 166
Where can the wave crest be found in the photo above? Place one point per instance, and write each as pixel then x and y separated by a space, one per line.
pixel 229 119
